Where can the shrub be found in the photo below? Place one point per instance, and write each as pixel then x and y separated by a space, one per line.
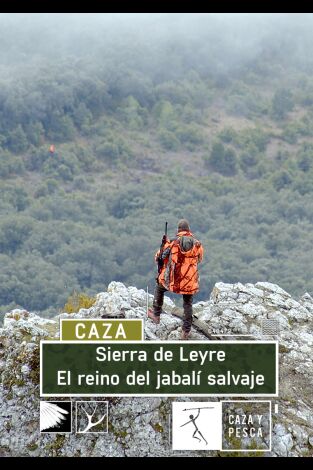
pixel 36 159
pixel 254 139
pixel 190 134
pixel 107 151
pixel 282 180
pixel 168 140
pixel 76 301
pixel 227 135
pixel 10 165
pixel 248 159
pixel 42 191
pixel 65 173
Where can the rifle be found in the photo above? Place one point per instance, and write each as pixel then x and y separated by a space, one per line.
pixel 160 259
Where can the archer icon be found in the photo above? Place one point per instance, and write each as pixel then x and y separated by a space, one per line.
pixel 193 421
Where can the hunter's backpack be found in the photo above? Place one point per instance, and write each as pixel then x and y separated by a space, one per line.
pixel 180 273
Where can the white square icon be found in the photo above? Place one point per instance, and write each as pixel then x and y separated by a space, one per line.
pixel 197 425
pixel 91 417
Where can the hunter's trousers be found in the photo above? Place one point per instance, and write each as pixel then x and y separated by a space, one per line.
pixel 187 302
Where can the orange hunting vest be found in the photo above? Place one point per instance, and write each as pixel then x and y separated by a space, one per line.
pixel 180 269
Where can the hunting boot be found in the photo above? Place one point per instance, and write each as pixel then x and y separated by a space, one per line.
pixel 185 335
pixel 153 317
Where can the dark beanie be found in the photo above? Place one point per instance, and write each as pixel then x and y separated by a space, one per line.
pixel 183 224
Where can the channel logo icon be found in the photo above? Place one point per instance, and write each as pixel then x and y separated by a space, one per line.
pixel 196 425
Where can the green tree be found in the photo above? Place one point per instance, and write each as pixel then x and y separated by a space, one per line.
pixel 216 156
pixel 223 160
pixel 305 157
pixel 82 117
pixel 21 199
pixel 132 113
pixel 13 232
pixel 10 164
pixel 165 115
pixel 17 140
pixel 229 162
pixel 35 133
pixel 281 180
pixel 282 103
pixel 248 159
pixel 60 127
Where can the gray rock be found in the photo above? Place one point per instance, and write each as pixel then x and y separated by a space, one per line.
pixel 140 426
pixel 267 286
pixel 25 369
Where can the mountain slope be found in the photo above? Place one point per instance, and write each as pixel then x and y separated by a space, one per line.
pixel 153 118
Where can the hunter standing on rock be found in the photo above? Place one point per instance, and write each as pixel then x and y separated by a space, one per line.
pixel 178 272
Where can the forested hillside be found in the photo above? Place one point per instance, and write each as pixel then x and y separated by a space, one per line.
pixel 153 118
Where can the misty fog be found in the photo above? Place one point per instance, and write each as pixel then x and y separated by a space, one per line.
pixel 210 42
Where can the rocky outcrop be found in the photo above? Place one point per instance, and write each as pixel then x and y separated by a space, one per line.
pixel 140 426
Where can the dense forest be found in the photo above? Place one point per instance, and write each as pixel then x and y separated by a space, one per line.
pixel 153 117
